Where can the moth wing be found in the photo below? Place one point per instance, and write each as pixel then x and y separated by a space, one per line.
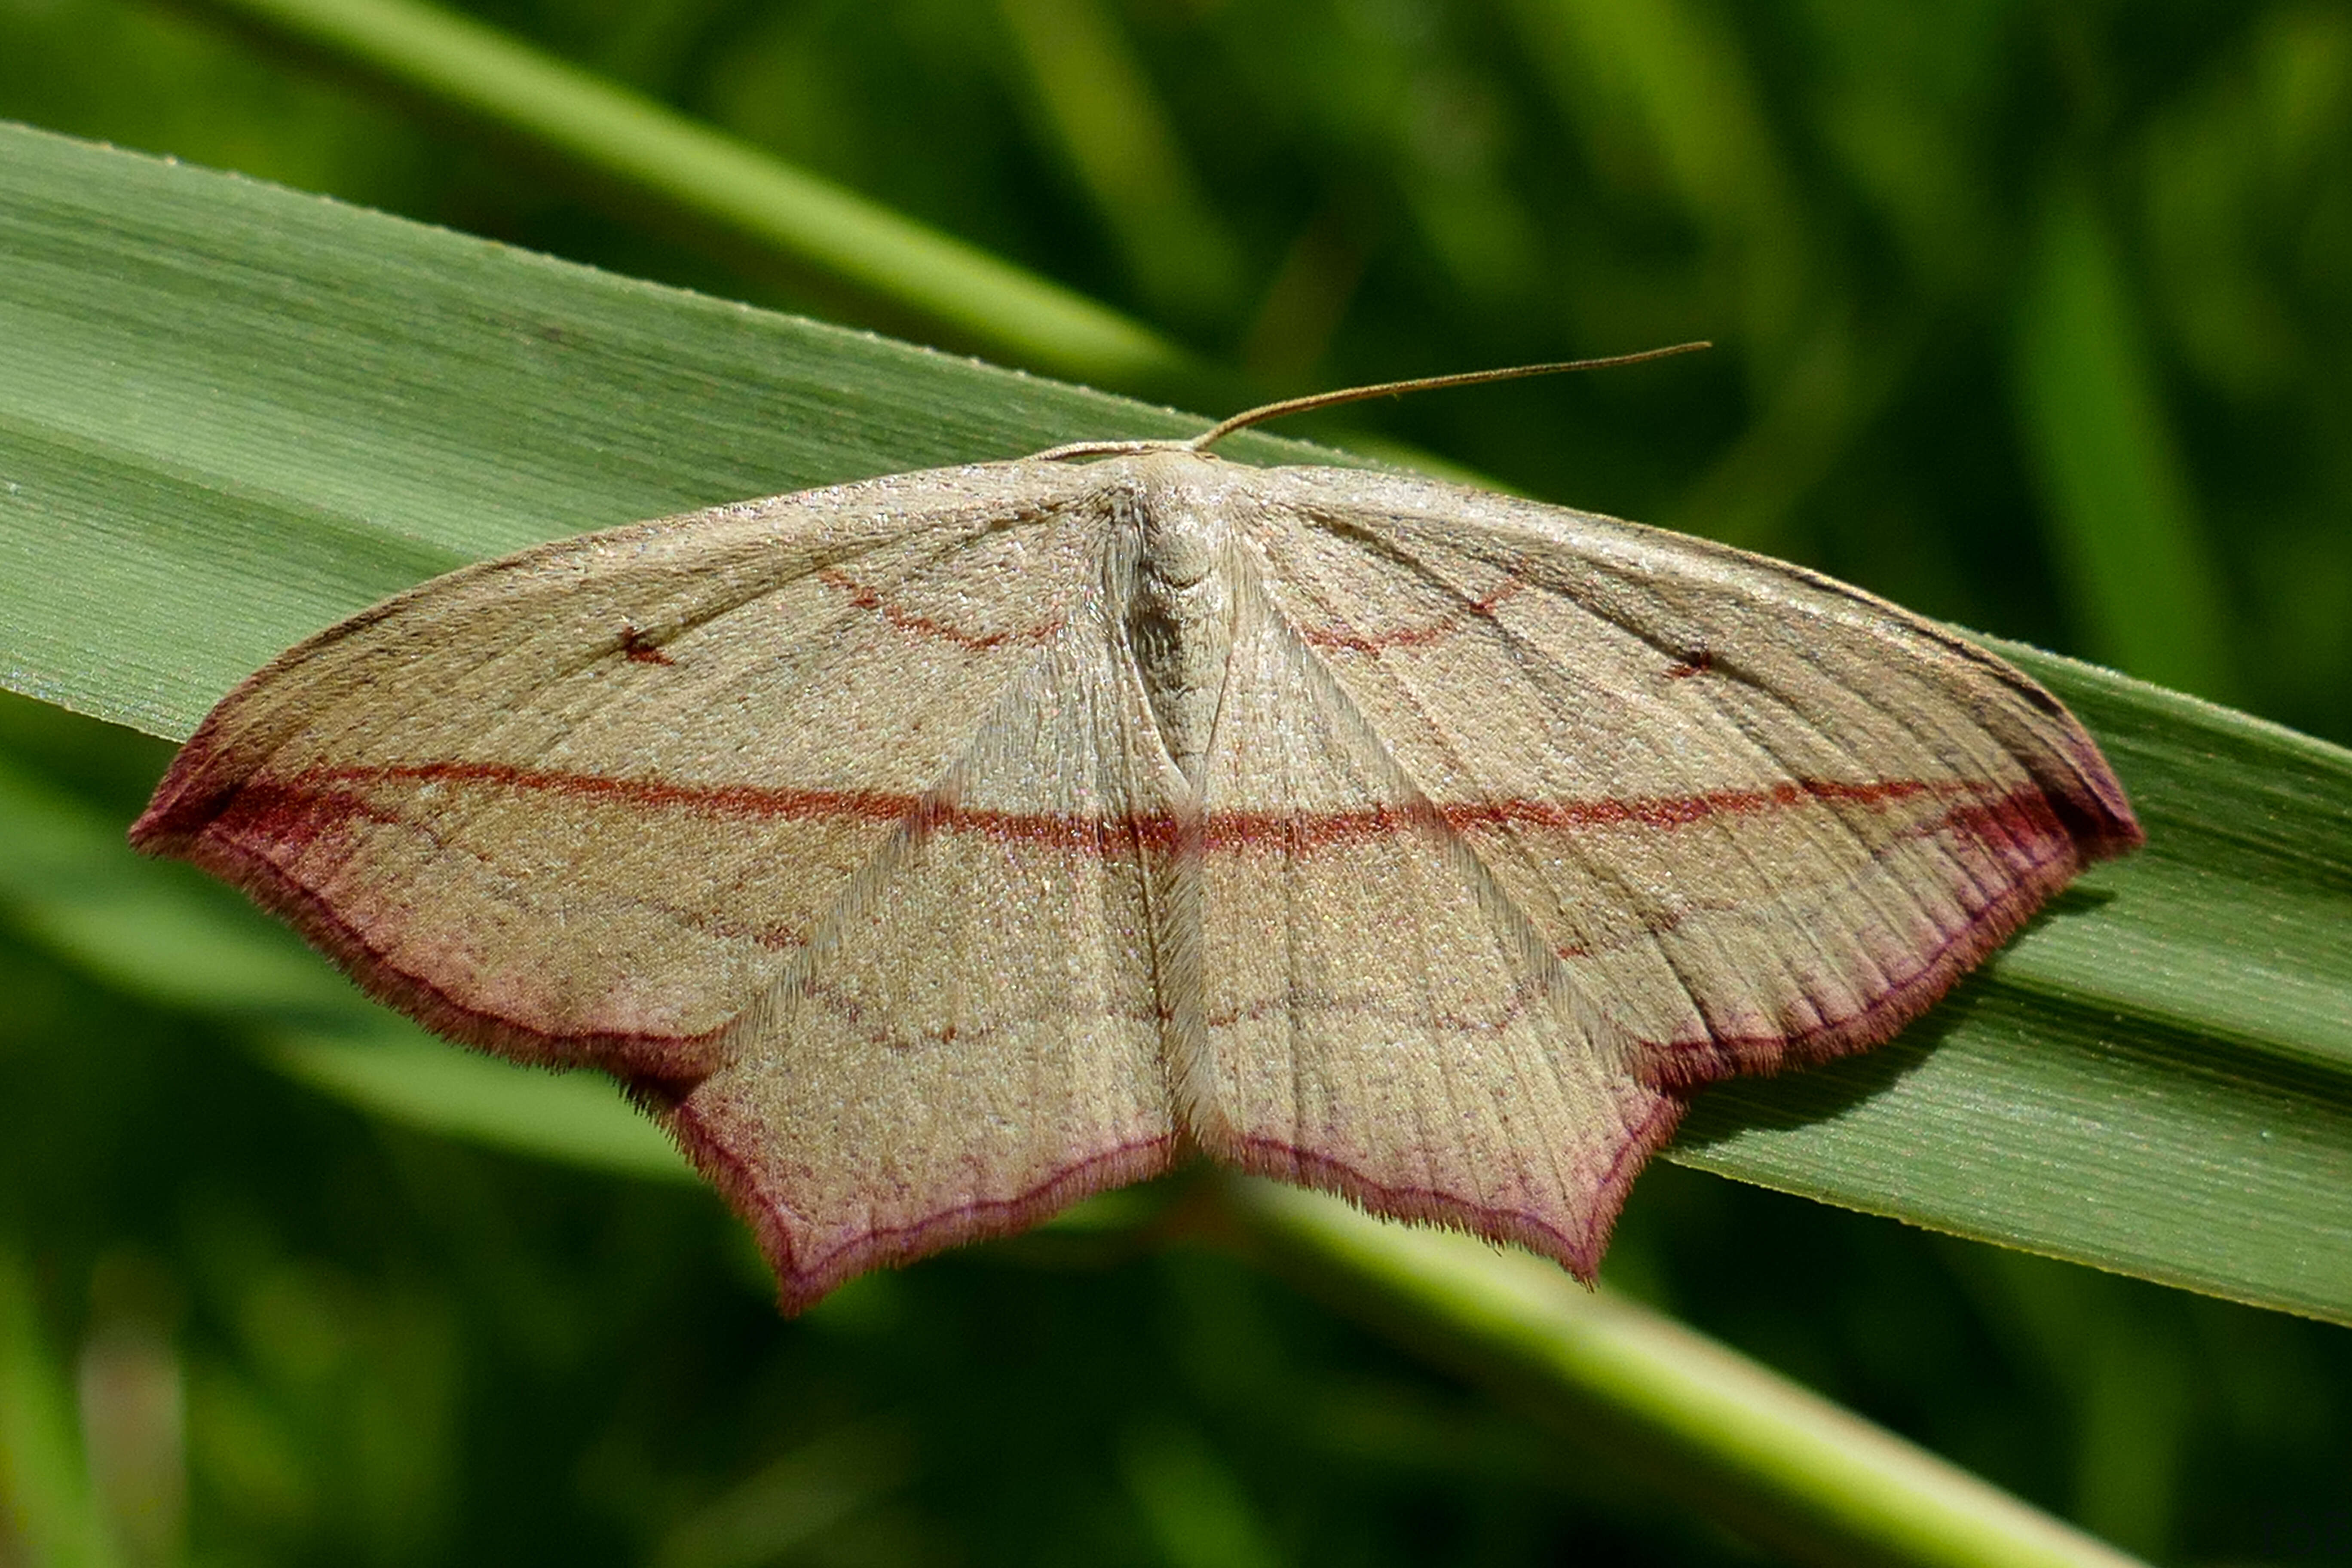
pixel 972 1038
pixel 1375 1017
pixel 1756 814
pixel 584 803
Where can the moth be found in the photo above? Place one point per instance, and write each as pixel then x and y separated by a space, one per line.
pixel 931 852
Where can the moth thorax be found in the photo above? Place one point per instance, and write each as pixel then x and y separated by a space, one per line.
pixel 1180 621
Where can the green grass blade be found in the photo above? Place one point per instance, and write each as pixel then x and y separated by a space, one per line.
pixel 47 1507
pixel 230 415
pixel 1781 1465
pixel 408 1077
pixel 2122 512
pixel 1090 87
pixel 647 158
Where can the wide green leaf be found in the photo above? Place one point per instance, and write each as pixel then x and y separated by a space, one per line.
pixel 230 414
pixel 664 169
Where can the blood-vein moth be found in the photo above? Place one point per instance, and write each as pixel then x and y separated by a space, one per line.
pixel 930 852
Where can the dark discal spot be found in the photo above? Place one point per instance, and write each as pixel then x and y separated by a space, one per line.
pixel 641 648
pixel 1698 661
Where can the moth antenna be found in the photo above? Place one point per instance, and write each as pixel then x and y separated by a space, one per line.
pixel 1289 406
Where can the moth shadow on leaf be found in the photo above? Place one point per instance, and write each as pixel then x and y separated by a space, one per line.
pixel 1802 1096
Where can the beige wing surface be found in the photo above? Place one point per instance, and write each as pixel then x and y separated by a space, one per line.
pixel 1753 814
pixel 585 803
pixel 971 1037
pixel 1376 1017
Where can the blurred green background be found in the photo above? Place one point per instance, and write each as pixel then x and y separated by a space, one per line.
pixel 2034 317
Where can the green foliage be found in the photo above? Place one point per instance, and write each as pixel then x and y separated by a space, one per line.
pixel 343 405
pixel 2032 322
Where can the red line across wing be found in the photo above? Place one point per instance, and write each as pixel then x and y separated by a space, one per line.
pixel 1347 637
pixel 303 794
pixel 866 597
